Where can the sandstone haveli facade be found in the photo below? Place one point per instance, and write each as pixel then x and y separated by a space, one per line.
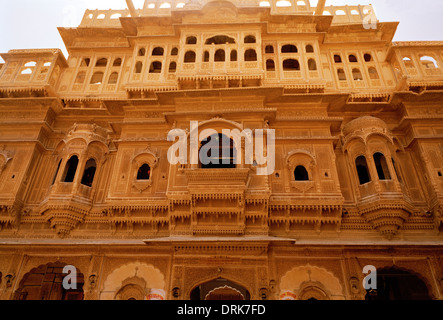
pixel 85 178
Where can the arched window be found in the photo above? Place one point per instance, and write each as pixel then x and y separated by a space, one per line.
pixel 144 172
pixel 312 65
pixel 250 55
pixel 220 39
pixel 138 67
pixel 56 172
pixel 367 57
pixel 429 62
pixel 362 170
pixel 103 62
pixel 341 75
pixel 270 65
pixel 269 49
pixel 352 58
pixel 234 55
pixel 191 40
pixel 219 55
pixel 141 52
pixel 283 3
pixel 250 39
pixel 189 57
pixel 70 169
pixel 382 166
pixel 337 58
pixel 174 52
pixel 158 51
pixel 97 78
pixel 85 62
pixel 356 74
pixel 217 151
pixel 291 65
pixel 309 48
pixel 117 62
pixel 156 67
pixel 289 48
pixel 301 174
pixel 89 173
pixel 172 67
pixel 373 74
pixel 113 78
pixel 206 56
pixel 81 76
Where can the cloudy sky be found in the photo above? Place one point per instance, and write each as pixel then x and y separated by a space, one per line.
pixel 26 24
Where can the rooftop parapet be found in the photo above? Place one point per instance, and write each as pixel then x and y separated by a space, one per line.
pixel 342 14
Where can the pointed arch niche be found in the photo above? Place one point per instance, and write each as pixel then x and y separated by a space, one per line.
pixel 134 281
pixel 310 283
pixel 143 168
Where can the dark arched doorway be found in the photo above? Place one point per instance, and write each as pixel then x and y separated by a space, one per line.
pixel 217 152
pixel 46 283
pixel 220 289
pixel 397 284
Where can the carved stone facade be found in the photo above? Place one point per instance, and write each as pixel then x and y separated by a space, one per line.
pixel 85 178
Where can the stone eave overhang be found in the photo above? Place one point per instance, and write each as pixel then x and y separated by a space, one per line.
pixel 106 36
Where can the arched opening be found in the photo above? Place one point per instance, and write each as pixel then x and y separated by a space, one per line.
pixel 269 49
pixel 289 48
pixel 117 62
pixel 283 3
pixel 337 58
pixel 250 39
pixel 172 67
pixel 158 51
pixel 301 174
pixel 219 55
pixel 341 75
pixel 250 55
pixel 144 172
pixel 352 58
pixel 70 169
pixel 103 62
pixel 382 166
pixel 270 65
pixel 373 74
pixel 80 79
pixel 189 57
pixel 220 39
pixel 362 170
pixel 97 78
pixel 291 65
pixel 138 67
pixel 141 52
pixel 156 67
pixel 309 49
pixel 367 57
pixel 89 173
pixel 174 51
pixel 85 62
pixel 206 56
pixel 46 283
pixel 220 289
pixel 234 55
pixel 216 152
pixel 191 40
pixel 312 65
pixel 113 78
pixel 429 62
pixel 356 74
pixel 396 284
